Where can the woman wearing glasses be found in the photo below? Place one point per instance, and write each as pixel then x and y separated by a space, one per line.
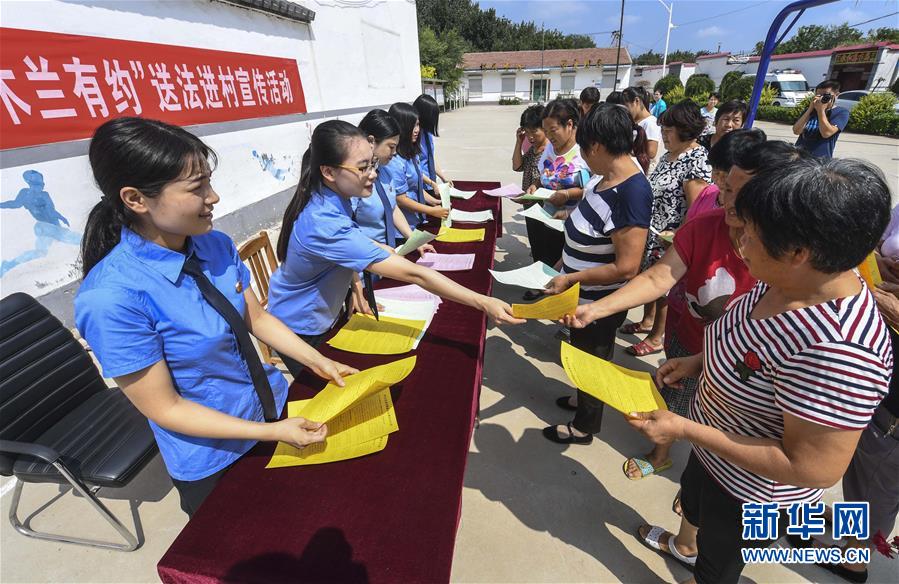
pixel 322 250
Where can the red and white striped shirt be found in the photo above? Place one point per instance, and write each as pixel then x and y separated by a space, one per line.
pixel 829 364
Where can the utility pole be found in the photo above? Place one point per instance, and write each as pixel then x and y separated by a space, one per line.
pixel 670 9
pixel 618 55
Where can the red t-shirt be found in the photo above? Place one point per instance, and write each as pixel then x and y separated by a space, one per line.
pixel 715 275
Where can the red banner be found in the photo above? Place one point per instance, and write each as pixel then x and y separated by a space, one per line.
pixel 57 87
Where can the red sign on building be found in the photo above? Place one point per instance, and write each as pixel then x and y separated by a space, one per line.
pixel 57 87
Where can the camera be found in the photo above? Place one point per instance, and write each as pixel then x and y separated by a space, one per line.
pixel 827 98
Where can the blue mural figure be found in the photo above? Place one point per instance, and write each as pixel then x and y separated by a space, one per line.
pixel 47 227
pixel 268 164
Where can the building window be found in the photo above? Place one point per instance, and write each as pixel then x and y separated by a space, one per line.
pixel 508 84
pixel 475 87
pixel 567 83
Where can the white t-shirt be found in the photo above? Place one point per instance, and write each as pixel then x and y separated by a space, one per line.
pixel 653 131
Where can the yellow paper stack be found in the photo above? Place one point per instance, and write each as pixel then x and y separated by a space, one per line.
pixel 385 336
pixel 453 235
pixel 360 416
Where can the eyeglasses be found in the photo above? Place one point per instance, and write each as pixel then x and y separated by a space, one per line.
pixel 362 172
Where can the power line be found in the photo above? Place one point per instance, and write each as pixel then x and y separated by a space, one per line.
pixel 873 19
pixel 719 15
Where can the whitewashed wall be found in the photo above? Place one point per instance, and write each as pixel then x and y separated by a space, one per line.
pixel 354 56
pixel 586 77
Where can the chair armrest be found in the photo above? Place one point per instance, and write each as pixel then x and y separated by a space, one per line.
pixel 45 453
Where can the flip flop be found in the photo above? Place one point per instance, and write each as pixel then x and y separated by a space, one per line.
pixel 633 328
pixel 646 467
pixel 563 403
pixel 642 349
pixel 676 507
pixel 653 538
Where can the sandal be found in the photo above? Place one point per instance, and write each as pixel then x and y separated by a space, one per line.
pixel 563 403
pixel 652 541
pixel 676 506
pixel 642 349
pixel 633 328
pixel 646 467
pixel 552 434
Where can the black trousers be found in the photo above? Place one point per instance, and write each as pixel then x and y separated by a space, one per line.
pixel 193 493
pixel 295 367
pixel 719 518
pixel 597 338
pixel 546 243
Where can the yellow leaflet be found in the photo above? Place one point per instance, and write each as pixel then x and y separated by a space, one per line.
pixel 624 389
pixel 360 430
pixel 333 400
pixel 453 235
pixel 869 272
pixel 387 336
pixel 552 307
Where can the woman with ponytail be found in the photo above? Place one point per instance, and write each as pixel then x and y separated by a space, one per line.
pixel 429 118
pixel 167 308
pixel 378 216
pixel 322 250
pixel 641 144
pixel 417 205
pixel 636 100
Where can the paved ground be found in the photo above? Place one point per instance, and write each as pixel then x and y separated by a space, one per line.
pixel 532 511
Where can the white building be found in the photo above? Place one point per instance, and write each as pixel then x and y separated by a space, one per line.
pixel 327 59
pixel 648 75
pixel 871 66
pixel 543 75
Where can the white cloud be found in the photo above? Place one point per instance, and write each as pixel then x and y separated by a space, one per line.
pixel 711 31
pixel 614 19
pixel 851 16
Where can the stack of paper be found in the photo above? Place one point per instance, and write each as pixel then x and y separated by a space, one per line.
pixel 359 416
pixel 453 235
pixel 504 191
pixel 383 336
pixel 540 194
pixel 408 292
pixel 471 216
pixel 552 307
pixel 625 390
pixel 418 310
pixel 539 213
pixel 447 262
pixel 416 240
pixel 533 277
pixel 456 193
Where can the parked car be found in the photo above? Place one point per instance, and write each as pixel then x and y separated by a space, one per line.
pixel 790 86
pixel 850 99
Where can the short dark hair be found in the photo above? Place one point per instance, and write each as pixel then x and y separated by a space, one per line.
pixel 406 116
pixel 836 209
pixel 753 158
pixel 731 107
pixel 715 95
pixel 610 125
pixel 721 155
pixel 686 118
pixel 590 95
pixel 379 124
pixel 428 113
pixel 531 117
pixel 829 84
pixel 563 110
pixel 616 97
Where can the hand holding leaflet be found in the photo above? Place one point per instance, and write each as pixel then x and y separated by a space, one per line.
pixel 416 240
pixel 533 277
pixel 551 307
pixel 539 213
pixel 540 194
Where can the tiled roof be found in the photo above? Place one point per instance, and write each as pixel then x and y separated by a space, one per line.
pixel 551 58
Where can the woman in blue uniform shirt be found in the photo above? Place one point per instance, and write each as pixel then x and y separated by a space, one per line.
pixel 378 216
pixel 147 250
pixel 429 117
pixel 417 205
pixel 322 250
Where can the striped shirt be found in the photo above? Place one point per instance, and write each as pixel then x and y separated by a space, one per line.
pixel 589 228
pixel 828 364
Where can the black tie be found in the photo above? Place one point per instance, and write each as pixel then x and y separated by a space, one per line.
pixel 235 320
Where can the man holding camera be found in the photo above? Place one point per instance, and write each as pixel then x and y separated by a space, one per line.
pixel 820 126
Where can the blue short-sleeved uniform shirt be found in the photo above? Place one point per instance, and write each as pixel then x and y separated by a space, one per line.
pixel 136 308
pixel 326 248
pixel 369 211
pixel 403 173
pixel 427 139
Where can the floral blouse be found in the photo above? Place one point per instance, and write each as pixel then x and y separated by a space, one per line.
pixel 562 171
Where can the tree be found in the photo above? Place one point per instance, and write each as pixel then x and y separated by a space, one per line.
pixel 648 58
pixel 698 84
pixel 729 78
pixel 739 89
pixel 815 37
pixel 442 52
pixel 883 34
pixel 667 83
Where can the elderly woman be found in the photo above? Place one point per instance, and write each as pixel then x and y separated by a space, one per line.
pixel 795 369
pixel 681 175
pixel 604 240
pixel 728 118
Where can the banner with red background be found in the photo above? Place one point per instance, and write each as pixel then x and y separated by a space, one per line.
pixel 57 87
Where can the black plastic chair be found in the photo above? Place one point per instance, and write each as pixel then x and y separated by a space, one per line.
pixel 59 422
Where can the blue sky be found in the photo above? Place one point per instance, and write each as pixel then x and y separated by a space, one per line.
pixel 645 20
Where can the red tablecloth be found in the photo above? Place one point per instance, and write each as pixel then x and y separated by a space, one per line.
pixel 388 517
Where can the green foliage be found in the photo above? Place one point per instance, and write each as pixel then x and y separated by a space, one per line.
pixel 872 111
pixel 667 83
pixel 883 34
pixel 651 58
pixel 510 101
pixel 729 78
pixel 442 52
pixel 674 95
pixel 484 30
pixel 701 98
pixel 768 95
pixel 815 37
pixel 648 58
pixel 699 83
pixel 774 113
pixel 739 89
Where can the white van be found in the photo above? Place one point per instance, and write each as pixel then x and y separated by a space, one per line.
pixel 790 85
